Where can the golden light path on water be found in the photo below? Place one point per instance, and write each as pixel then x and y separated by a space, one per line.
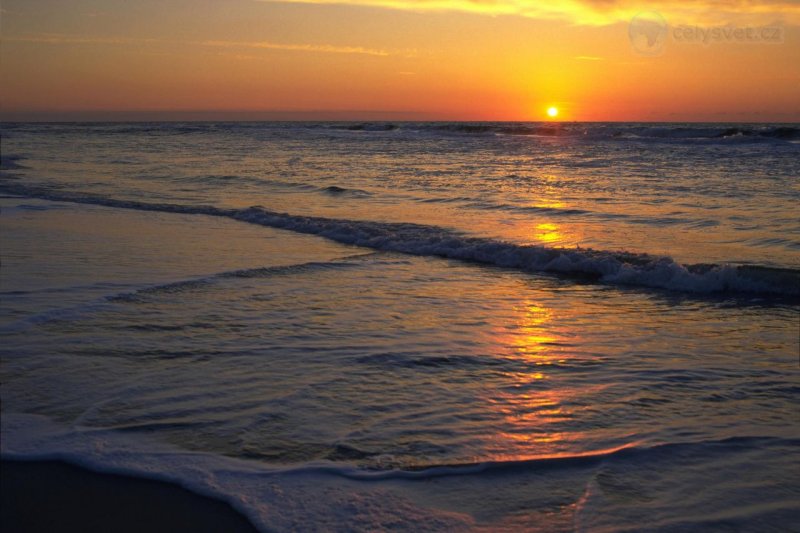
pixel 548 232
pixel 539 409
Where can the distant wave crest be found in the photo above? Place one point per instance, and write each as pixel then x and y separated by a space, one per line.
pixel 652 132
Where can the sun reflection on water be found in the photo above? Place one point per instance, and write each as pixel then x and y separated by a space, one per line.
pixel 548 233
pixel 537 407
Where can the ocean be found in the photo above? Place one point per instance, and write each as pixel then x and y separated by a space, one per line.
pixel 412 326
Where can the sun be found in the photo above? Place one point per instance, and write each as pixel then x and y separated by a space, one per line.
pixel 552 112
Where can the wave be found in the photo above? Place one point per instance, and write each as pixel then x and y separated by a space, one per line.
pixel 589 130
pixel 713 132
pixel 10 162
pixel 594 131
pixel 27 428
pixel 226 179
pixel 483 204
pixel 280 498
pixel 672 133
pixel 54 315
pixel 507 129
pixel 584 213
pixel 335 190
pixel 176 287
pixel 633 450
pixel 272 499
pixel 608 267
pixel 417 361
pixel 198 283
pixel 475 128
pixel 372 126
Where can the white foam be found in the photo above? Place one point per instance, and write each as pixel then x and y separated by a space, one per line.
pixel 282 499
pixel 610 267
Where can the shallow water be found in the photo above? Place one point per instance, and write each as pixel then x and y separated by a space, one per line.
pixel 405 331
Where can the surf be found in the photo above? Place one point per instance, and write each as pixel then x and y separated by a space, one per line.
pixel 601 266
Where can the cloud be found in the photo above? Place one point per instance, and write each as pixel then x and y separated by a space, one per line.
pixel 322 48
pixel 58 39
pixel 76 39
pixel 601 12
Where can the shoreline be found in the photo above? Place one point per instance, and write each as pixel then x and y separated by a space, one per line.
pixel 43 496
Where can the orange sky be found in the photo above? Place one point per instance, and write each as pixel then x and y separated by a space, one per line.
pixel 388 59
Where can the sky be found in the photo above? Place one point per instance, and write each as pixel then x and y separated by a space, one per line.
pixel 594 60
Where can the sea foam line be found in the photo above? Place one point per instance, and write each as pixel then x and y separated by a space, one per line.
pixel 138 294
pixel 609 267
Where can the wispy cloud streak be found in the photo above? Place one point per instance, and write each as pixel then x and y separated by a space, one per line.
pixel 321 48
pixel 76 39
pixel 55 39
pixel 600 12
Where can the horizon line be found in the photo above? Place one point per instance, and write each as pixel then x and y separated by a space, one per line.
pixel 111 116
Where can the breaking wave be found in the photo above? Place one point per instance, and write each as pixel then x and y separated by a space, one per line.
pixel 278 498
pixel 609 267
pixel 654 132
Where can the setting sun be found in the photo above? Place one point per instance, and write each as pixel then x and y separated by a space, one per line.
pixel 552 112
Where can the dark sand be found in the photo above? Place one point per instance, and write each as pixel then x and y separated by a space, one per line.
pixel 54 496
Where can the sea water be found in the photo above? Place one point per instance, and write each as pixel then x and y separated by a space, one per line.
pixel 414 326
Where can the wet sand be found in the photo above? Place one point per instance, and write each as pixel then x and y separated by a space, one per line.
pixel 51 496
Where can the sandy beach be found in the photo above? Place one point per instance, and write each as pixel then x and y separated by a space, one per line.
pixel 53 496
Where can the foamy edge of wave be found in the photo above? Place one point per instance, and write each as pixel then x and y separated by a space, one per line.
pixel 276 496
pixel 138 294
pixel 607 267
pixel 272 498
